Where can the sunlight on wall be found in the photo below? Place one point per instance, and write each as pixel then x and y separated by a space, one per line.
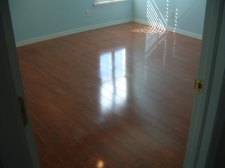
pixel 159 20
pixel 175 20
pixel 158 23
pixel 155 17
pixel 113 77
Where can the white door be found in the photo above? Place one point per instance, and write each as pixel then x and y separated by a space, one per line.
pixel 211 73
pixel 17 148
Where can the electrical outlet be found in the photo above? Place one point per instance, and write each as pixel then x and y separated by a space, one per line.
pixel 172 14
pixel 88 12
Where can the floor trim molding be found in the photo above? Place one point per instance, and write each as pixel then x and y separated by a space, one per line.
pixel 69 32
pixel 171 29
pixel 97 26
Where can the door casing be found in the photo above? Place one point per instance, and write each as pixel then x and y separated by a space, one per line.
pixel 17 146
pixel 211 71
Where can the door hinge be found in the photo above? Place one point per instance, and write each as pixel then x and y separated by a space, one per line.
pixel 22 109
pixel 198 87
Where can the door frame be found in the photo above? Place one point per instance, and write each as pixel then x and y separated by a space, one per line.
pixel 17 146
pixel 216 155
pixel 211 70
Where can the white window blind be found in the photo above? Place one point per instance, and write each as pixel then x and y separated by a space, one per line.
pixel 99 2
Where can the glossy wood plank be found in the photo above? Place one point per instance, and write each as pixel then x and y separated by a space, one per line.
pixel 115 97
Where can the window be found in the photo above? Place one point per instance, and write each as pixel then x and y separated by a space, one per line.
pixel 99 2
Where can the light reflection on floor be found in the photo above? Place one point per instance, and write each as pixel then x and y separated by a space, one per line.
pixel 113 77
pixel 100 164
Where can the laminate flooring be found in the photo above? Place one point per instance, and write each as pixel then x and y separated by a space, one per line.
pixel 116 97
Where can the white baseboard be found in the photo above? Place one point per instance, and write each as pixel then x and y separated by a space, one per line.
pixel 140 21
pixel 92 27
pixel 185 33
pixel 171 29
pixel 69 32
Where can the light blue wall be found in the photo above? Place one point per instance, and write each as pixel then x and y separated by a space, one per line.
pixel 37 18
pixel 190 13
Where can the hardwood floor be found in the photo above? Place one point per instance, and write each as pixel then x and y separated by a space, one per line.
pixel 117 97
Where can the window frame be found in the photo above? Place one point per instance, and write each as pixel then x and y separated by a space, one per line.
pixel 103 2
